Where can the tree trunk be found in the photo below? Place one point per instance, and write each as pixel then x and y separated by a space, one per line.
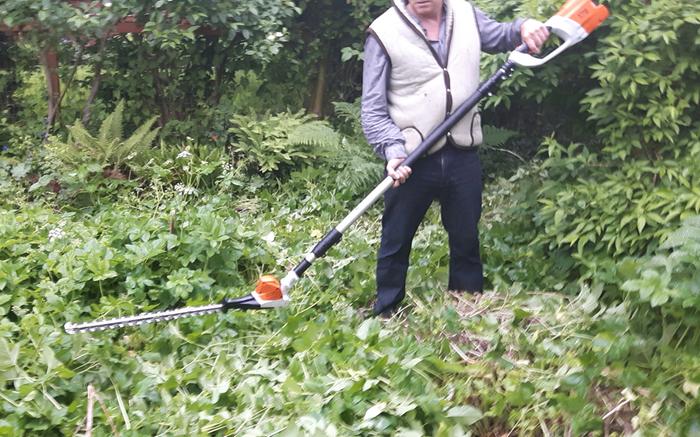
pixel 318 95
pixel 49 63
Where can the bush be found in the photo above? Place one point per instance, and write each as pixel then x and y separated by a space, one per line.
pixel 647 104
pixel 668 284
pixel 621 193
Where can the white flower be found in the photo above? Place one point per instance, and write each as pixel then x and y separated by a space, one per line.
pixel 191 191
pixel 228 166
pixel 184 154
pixel 273 36
pixel 56 234
pixel 185 190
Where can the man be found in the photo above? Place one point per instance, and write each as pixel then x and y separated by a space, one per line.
pixel 421 61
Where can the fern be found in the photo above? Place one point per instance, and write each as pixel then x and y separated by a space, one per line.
pixel 360 169
pixel 496 137
pixel 349 114
pixel 314 133
pixel 266 144
pixel 108 148
pixel 111 129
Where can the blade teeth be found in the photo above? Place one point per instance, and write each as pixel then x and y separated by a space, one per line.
pixel 144 318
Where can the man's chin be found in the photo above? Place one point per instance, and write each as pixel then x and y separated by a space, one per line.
pixel 423 9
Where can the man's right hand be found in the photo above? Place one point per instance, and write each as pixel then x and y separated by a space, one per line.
pixel 397 171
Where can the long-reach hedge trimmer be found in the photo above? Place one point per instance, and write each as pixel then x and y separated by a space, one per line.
pixel 573 22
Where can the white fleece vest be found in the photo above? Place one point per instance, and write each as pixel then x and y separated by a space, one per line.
pixel 421 91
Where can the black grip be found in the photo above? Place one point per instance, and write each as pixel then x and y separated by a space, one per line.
pixel 329 240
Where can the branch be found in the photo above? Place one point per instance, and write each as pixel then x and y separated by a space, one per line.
pixel 95 86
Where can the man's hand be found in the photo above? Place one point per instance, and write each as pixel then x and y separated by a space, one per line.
pixel 397 171
pixel 534 34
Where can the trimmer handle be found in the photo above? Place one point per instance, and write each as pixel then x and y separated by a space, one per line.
pixel 573 23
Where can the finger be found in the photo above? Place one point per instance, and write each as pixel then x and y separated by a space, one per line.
pixel 395 177
pixel 538 41
pixel 531 45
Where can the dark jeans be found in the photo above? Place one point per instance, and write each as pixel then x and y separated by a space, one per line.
pixel 453 177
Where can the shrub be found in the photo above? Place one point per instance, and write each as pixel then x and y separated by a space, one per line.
pixel 669 281
pixel 647 103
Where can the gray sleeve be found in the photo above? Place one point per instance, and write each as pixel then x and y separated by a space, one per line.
pixel 496 36
pixel 381 132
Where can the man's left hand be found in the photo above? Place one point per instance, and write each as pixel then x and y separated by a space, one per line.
pixel 534 34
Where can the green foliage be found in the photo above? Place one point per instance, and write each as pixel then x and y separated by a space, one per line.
pixel 186 75
pixel 613 207
pixel 255 20
pixel 31 92
pixel 670 279
pixel 266 144
pixel 495 137
pixel 191 165
pixel 108 148
pixel 648 70
pixel 451 365
pixel 360 167
pixel 604 219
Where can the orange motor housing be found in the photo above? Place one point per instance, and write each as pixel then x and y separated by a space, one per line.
pixel 268 288
pixel 587 13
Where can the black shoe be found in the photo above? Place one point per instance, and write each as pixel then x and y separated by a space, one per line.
pixel 386 314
